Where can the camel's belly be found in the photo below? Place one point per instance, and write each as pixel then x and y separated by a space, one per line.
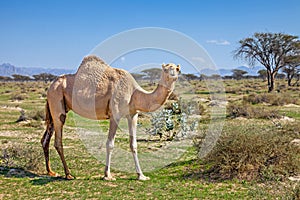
pixel 91 108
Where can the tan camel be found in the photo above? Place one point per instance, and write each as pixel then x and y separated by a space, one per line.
pixel 98 91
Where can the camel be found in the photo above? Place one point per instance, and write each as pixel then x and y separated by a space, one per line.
pixel 98 91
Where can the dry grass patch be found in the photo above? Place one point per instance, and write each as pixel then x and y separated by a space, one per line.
pixel 254 152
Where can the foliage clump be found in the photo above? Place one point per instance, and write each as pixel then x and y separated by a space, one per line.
pixel 249 111
pixel 24 157
pixel 175 120
pixel 254 155
pixel 17 96
pixel 274 99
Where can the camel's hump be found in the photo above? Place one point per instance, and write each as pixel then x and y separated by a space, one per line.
pixel 92 63
pixel 92 59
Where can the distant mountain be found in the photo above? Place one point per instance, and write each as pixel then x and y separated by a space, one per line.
pixel 7 69
pixel 251 71
pixel 228 72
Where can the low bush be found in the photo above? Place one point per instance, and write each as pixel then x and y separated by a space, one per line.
pixel 21 156
pixel 276 99
pixel 18 96
pixel 253 155
pixel 38 115
pixel 175 120
pixel 249 111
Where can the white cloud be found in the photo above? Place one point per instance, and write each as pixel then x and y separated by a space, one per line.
pixel 198 59
pixel 218 42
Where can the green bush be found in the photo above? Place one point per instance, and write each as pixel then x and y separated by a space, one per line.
pixel 175 119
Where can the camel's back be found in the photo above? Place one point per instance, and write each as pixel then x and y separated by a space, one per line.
pixel 98 84
pixel 91 68
pixel 94 71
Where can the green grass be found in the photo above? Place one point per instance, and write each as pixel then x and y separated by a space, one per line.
pixel 181 179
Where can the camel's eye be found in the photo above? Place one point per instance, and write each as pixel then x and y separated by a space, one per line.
pixel 177 69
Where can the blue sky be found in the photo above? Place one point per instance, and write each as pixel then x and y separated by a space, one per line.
pixel 60 33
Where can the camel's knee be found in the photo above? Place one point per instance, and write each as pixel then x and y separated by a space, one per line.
pixel 58 146
pixel 133 148
pixel 110 145
pixel 62 118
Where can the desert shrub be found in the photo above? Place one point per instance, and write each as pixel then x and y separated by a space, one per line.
pixel 253 155
pixel 250 111
pixel 175 119
pixel 22 156
pixel 276 99
pixel 18 96
pixel 38 115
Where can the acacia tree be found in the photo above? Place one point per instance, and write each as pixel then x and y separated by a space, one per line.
pixel 152 74
pixel 44 77
pixel 291 69
pixel 238 73
pixel 270 50
pixel 262 74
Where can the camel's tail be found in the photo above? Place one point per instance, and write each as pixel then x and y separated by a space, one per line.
pixel 48 120
pixel 49 124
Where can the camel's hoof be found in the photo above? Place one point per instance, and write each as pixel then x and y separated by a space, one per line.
pixel 53 174
pixel 70 177
pixel 109 178
pixel 143 178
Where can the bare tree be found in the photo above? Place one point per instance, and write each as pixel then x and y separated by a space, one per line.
pixel 270 50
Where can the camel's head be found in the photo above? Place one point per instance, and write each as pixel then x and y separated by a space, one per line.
pixel 170 71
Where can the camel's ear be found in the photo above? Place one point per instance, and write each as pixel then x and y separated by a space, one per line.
pixel 178 68
pixel 164 67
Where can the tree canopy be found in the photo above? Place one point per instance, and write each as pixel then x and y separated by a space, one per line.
pixel 238 73
pixel 270 50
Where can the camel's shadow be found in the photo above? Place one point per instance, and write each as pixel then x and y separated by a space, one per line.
pixel 43 180
pixel 36 179
pixel 16 172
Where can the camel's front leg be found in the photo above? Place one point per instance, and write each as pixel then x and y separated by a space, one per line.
pixel 132 123
pixel 109 147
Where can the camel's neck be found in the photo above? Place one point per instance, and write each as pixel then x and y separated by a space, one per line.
pixel 148 102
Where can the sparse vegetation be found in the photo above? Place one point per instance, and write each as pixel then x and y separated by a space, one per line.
pixel 249 111
pixel 274 99
pixel 249 152
pixel 253 159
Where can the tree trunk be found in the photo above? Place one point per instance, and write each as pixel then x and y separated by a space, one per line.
pixel 290 78
pixel 289 81
pixel 271 80
pixel 269 75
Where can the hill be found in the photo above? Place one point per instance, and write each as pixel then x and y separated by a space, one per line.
pixel 7 69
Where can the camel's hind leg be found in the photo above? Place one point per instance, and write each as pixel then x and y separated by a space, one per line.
pixel 58 113
pixel 45 143
pixel 58 127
